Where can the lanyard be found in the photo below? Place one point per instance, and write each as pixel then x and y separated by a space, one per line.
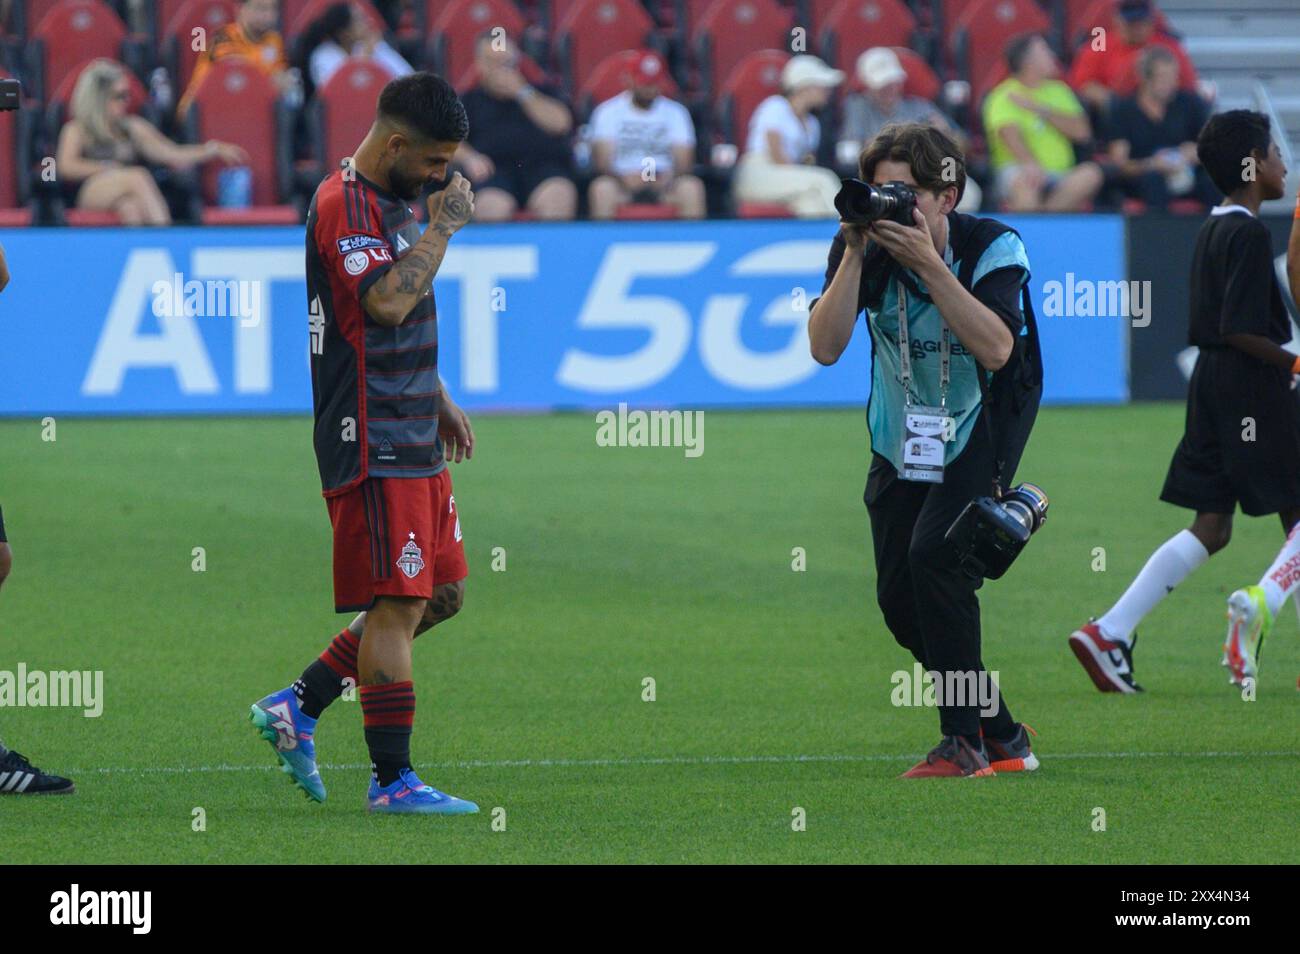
pixel 905 349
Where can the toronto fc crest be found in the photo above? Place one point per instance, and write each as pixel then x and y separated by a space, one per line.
pixel 411 562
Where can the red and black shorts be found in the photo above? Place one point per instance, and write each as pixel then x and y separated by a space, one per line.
pixel 395 536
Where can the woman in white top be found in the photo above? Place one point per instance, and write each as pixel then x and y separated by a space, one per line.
pixel 779 160
pixel 341 31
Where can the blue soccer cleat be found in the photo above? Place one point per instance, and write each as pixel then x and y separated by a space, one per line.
pixel 408 795
pixel 279 720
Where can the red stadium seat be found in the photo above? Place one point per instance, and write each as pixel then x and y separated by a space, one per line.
pixel 731 30
pixel 646 211
pixel 921 79
pixel 1083 16
pixel 62 94
pixel 949 12
pixel 72 32
pixel 753 80
pixel 456 25
pixel 237 102
pixel 856 25
pixel 314 8
pixel 980 36
pixel 346 107
pixel 591 29
pixel 608 79
pixel 763 210
pixel 35 12
pixel 178 53
pixel 91 218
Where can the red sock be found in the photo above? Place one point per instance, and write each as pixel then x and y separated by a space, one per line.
pixel 341 655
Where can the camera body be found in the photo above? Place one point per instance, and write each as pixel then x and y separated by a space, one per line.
pixel 861 203
pixel 990 533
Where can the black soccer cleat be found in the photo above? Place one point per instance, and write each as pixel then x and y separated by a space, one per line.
pixel 20 777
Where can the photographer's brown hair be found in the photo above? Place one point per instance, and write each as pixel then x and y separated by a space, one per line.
pixel 927 150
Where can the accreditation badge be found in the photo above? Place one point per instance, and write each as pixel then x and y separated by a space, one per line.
pixel 927 430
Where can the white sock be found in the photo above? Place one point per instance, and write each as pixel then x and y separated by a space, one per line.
pixel 1168 566
pixel 1283 577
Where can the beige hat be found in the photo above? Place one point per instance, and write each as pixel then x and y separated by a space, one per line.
pixel 879 66
pixel 807 70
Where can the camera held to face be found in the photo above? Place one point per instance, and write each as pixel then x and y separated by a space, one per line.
pixel 861 203
pixel 990 533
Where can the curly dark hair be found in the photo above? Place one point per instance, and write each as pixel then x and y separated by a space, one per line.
pixel 1227 141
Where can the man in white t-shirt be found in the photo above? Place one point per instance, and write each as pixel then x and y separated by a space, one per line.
pixel 643 147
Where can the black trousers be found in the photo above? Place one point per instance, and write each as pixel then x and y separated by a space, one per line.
pixel 929 602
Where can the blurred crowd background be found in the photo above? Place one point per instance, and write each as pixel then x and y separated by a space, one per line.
pixel 149 112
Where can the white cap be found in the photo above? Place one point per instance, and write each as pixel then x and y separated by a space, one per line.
pixel 879 66
pixel 808 70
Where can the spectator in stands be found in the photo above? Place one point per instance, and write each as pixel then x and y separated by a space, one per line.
pixel 883 102
pixel 779 160
pixel 342 31
pixel 1106 65
pixel 517 154
pixel 1033 122
pixel 104 150
pixel 643 146
pixel 1153 135
pixel 252 36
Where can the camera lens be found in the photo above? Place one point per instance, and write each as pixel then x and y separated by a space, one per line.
pixel 1027 504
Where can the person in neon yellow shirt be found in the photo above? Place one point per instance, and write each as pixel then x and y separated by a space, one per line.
pixel 1033 121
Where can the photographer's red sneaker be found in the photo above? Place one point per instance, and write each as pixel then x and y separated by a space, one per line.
pixel 954 757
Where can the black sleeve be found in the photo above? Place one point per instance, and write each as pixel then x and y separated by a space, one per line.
pixel 833 259
pixel 1118 122
pixel 1247 290
pixel 999 291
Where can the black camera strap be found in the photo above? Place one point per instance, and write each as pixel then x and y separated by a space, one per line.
pixel 1009 396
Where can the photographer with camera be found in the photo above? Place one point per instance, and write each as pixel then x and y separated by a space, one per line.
pixel 956 376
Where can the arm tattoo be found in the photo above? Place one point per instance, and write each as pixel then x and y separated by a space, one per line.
pixel 414 271
pixel 454 213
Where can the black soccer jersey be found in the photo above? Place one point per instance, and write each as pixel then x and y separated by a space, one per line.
pixel 1234 287
pixel 375 390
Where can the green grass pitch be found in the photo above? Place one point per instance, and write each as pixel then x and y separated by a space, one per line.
pixel 772 686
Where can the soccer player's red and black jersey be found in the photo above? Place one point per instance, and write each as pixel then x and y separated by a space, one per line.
pixel 375 389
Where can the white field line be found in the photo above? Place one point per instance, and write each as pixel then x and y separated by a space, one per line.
pixel 665 760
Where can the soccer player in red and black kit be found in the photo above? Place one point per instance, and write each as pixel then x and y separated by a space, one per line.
pixel 384 429
pixel 1242 439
